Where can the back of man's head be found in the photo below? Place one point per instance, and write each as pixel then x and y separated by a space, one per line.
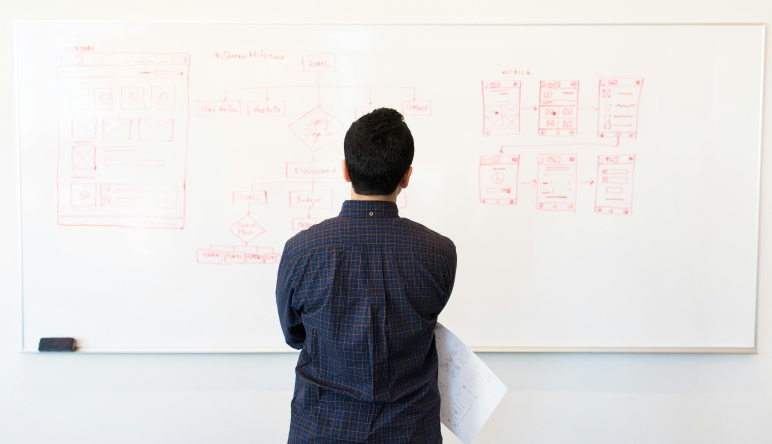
pixel 379 151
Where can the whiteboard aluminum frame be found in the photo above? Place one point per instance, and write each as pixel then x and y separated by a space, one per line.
pixel 477 349
pixel 758 195
pixel 539 350
pixel 18 171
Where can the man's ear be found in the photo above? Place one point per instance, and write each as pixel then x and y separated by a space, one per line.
pixel 406 178
pixel 346 177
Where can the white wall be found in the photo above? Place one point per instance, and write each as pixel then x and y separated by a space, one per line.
pixel 559 398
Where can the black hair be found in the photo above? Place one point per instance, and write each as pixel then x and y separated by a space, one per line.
pixel 379 150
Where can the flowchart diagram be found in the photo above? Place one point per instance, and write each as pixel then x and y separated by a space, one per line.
pixel 123 128
pixel 553 175
pixel 310 186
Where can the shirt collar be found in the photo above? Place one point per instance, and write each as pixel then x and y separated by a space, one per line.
pixel 369 208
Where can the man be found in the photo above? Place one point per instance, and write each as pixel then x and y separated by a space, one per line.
pixel 359 294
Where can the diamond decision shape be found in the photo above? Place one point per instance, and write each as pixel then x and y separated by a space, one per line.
pixel 316 128
pixel 247 229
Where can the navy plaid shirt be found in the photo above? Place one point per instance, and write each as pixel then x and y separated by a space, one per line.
pixel 359 294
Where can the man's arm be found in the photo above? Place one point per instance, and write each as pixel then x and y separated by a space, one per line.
pixel 449 271
pixel 447 276
pixel 290 319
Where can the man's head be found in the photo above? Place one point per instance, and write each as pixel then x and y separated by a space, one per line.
pixel 379 150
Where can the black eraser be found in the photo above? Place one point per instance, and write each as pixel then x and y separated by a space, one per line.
pixel 56 345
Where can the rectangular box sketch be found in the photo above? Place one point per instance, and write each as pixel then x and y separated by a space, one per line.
pixel 614 191
pixel 498 177
pixel 80 100
pixel 417 108
pixel 254 258
pixel 318 169
pixel 321 199
pixel 299 224
pixel 84 127
pixel 161 130
pixel 558 107
pixel 235 257
pixel 137 195
pixel 103 99
pixel 163 97
pixel 319 62
pixel 132 97
pixel 209 256
pixel 84 157
pixel 556 184
pixel 256 197
pixel 225 255
pixel 266 108
pixel 123 120
pixel 219 108
pixel 501 107
pixel 109 162
pixel 116 129
pixel 618 101
pixel 83 194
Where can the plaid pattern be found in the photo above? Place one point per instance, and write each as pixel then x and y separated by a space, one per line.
pixel 360 295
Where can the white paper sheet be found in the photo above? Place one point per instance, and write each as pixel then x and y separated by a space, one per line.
pixel 468 388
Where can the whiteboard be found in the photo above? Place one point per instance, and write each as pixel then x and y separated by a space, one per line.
pixel 601 183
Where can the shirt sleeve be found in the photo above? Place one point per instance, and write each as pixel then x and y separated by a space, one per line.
pixel 450 272
pixel 447 275
pixel 290 319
